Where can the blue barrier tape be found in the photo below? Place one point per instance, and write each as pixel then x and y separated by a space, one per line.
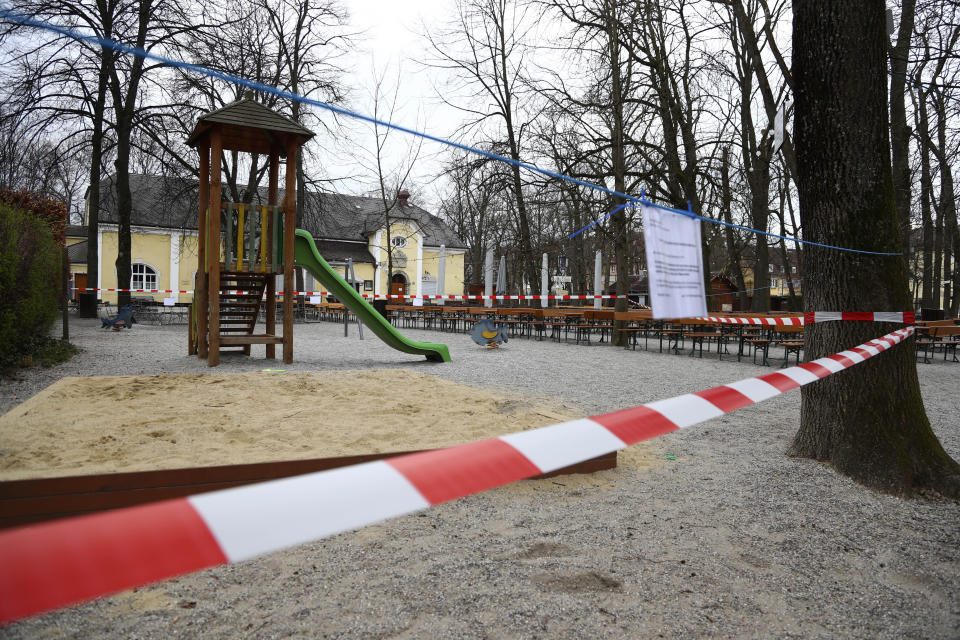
pixel 633 202
pixel 105 42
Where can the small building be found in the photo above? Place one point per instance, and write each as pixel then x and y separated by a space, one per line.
pixel 164 240
pixel 721 296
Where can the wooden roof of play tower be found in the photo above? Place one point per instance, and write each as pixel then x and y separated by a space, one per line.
pixel 246 125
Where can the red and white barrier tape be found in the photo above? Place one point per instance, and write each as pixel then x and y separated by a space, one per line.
pixel 778 321
pixel 59 563
pixel 380 296
pixel 907 317
pixel 131 290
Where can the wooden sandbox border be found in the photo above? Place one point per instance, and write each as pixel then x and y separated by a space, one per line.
pixel 36 500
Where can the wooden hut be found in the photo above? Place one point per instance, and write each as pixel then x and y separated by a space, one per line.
pixel 229 292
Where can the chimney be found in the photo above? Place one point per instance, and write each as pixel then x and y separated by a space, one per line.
pixel 403 196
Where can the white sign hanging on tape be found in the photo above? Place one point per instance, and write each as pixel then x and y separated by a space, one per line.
pixel 674 263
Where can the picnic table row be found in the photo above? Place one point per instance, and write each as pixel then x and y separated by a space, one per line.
pixel 585 325
pixel 582 324
pixel 938 335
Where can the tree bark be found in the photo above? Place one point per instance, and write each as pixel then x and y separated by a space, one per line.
pixel 867 422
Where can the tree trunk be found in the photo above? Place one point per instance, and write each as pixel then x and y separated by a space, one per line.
pixel 926 189
pixel 124 202
pixel 87 307
pixel 948 209
pixel 733 251
pixel 868 422
pixel 125 92
pixel 938 242
pixel 621 230
pixel 899 131
pixel 759 213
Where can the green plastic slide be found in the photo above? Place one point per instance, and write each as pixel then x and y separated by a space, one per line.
pixel 306 255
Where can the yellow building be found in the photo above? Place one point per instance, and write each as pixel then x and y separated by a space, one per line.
pixel 345 228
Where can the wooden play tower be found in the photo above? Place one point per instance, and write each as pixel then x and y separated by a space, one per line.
pixel 230 285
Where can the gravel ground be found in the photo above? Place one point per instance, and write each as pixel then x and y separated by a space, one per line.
pixel 729 539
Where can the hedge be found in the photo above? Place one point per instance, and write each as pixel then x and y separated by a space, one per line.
pixel 49 211
pixel 30 268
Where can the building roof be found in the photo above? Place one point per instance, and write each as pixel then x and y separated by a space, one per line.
pixel 76 231
pixel 77 252
pixel 171 203
pixel 341 251
pixel 335 215
pixel 158 201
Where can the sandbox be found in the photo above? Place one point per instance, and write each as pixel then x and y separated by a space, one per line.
pixel 86 444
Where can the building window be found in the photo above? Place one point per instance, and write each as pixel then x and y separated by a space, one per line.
pixel 143 276
pixel 398 242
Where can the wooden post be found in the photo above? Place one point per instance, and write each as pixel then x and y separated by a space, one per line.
pixel 271 315
pixel 228 238
pixel 200 282
pixel 213 249
pixel 241 238
pixel 264 232
pixel 289 222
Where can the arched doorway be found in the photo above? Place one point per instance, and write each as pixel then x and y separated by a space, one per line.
pixel 398 285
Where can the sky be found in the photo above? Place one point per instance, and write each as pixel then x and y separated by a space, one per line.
pixel 391 45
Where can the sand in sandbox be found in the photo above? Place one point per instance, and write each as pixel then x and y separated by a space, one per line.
pixel 138 423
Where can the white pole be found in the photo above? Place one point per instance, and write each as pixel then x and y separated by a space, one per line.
pixel 596 280
pixel 544 282
pixel 502 277
pixel 442 272
pixel 488 279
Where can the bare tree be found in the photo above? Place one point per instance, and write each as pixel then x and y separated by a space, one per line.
pixel 391 167
pixel 64 83
pixel 311 36
pixel 933 86
pixel 486 49
pixel 899 131
pixel 468 206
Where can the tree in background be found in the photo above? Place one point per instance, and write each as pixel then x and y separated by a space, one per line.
pixel 59 86
pixel 868 422
pixel 486 50
pixel 389 166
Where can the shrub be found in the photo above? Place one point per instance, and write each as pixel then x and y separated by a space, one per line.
pixel 29 284
pixel 50 212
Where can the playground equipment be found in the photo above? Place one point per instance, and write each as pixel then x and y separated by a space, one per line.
pixel 487 334
pixel 260 243
pixel 122 320
pixel 307 256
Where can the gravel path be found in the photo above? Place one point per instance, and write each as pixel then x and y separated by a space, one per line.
pixel 730 539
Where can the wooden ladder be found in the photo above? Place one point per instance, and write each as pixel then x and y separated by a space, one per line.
pixel 241 294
